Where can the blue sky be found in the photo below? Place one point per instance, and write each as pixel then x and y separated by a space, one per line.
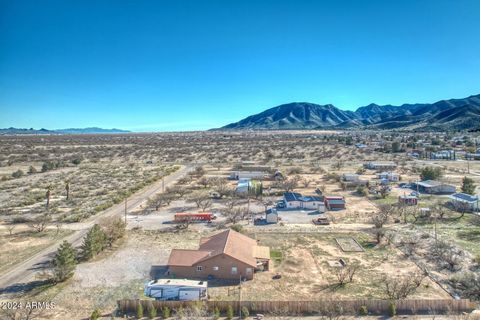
pixel 157 65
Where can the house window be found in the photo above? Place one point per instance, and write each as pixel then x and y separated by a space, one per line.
pixel 215 268
pixel 199 268
pixel 234 270
pixel 249 270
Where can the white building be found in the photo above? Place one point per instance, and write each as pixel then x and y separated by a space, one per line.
pixel 350 177
pixel 295 200
pixel 176 289
pixel 390 176
pixel 256 175
pixel 466 201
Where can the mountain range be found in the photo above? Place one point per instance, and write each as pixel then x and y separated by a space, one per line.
pixel 453 114
pixel 91 130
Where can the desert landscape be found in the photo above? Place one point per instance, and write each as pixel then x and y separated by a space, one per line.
pixel 429 249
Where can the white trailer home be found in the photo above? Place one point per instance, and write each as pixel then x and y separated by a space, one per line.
pixel 257 175
pixel 390 176
pixel 176 289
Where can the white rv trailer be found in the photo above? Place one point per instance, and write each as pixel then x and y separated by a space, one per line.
pixel 176 289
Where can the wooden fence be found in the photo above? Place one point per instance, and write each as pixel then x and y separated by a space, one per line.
pixel 322 307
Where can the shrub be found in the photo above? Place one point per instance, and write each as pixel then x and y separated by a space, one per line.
pixel 216 313
pixel 237 227
pixel 392 309
pixel 363 311
pixel 230 312
pixel 139 311
pixel 17 174
pixel 166 312
pixel 152 312
pixel 362 191
pixel 245 312
pixel 95 314
pixel 180 312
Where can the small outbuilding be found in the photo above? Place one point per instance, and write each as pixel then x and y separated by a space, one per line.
pixel 408 200
pixel 350 177
pixel 271 215
pixel 335 202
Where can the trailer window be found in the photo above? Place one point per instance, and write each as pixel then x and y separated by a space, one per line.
pixel 234 270
pixel 199 268
pixel 215 268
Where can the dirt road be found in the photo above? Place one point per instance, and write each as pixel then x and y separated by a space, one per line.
pixel 22 276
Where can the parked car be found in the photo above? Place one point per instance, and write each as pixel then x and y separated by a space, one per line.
pixel 281 204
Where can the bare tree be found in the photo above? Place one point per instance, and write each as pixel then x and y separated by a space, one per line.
pixel 400 287
pixel 41 222
pixel 346 274
pixel 306 182
pixel 234 214
pixel 161 200
pixel 200 198
pixel 221 186
pixel 204 181
pixel 10 228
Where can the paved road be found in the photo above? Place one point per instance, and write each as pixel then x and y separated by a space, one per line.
pixel 21 277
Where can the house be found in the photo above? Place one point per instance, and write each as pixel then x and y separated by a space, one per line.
pixel 335 202
pixel 350 177
pixel 408 200
pixel 271 215
pixel 294 200
pixel 176 289
pixel 444 154
pixel 434 187
pixel 465 201
pixel 361 146
pixel 225 255
pixel 382 165
pixel 389 176
pixel 237 175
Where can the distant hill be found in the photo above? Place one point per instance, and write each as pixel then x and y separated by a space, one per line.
pixel 456 114
pixel 92 130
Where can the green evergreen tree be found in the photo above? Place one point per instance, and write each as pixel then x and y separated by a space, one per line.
pixel 468 186
pixel 94 242
pixel 166 312
pixel 139 311
pixel 64 262
pixel 152 312
pixel 229 312
pixel 430 173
